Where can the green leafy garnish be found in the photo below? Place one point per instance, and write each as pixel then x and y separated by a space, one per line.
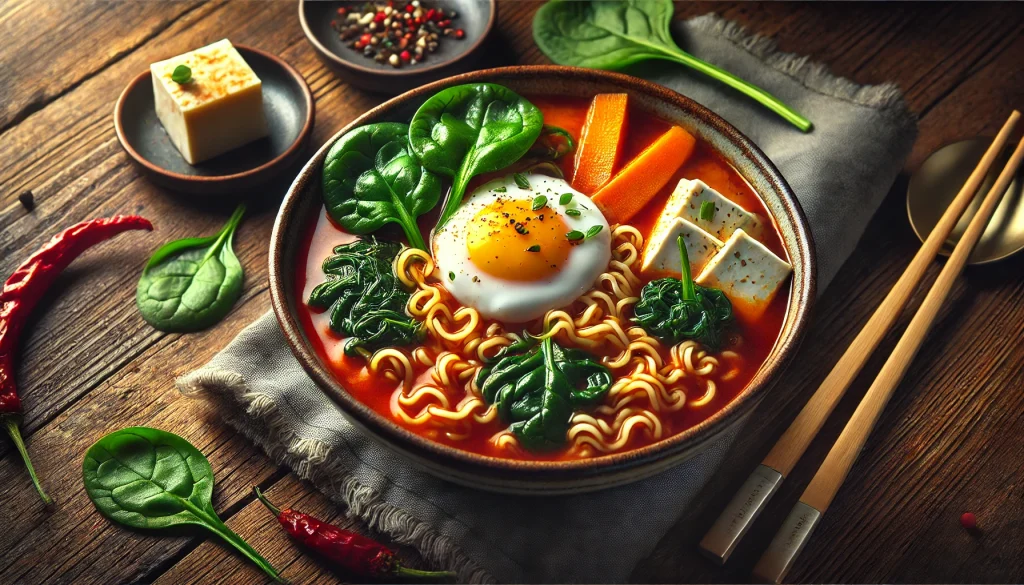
pixel 538 387
pixel 366 300
pixel 466 130
pixel 593 231
pixel 575 235
pixel 191 284
pixel 539 202
pixel 371 178
pixel 707 211
pixel 500 189
pixel 148 478
pixel 674 310
pixel 182 74
pixel 521 181
pixel 615 34
pixel 451 276
pixel 565 199
pixel 534 248
pixel 573 212
pixel 553 143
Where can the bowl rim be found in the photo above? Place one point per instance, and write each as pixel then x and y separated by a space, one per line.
pixel 407 442
pixel 213 180
pixel 404 72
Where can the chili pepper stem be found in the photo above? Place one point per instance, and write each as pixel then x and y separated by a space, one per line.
pixel 259 495
pixel 11 422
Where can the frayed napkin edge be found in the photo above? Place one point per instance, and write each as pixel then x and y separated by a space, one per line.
pixel 886 97
pixel 310 460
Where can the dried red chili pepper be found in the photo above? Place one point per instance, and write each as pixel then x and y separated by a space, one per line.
pixel 23 290
pixel 351 551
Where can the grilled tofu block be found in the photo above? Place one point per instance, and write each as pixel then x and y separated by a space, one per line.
pixel 728 216
pixel 747 272
pixel 661 256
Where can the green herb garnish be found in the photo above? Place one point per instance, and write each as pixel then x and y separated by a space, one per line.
pixel 500 189
pixel 521 181
pixel 674 310
pixel 365 299
pixel 593 231
pixel 565 199
pixel 534 248
pixel 575 235
pixel 707 211
pixel 191 284
pixel 181 75
pixel 539 202
pixel 538 386
pixel 451 276
pixel 613 35
pixel 147 478
pixel 573 212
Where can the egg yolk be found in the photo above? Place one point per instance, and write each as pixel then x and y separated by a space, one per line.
pixel 509 240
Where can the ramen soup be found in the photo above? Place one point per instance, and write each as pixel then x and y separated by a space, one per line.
pixel 541 278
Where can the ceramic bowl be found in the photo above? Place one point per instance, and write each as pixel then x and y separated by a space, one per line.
pixel 303 203
pixel 287 105
pixel 475 17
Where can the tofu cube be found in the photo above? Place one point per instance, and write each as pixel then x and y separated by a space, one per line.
pixel 661 256
pixel 747 272
pixel 728 216
pixel 220 109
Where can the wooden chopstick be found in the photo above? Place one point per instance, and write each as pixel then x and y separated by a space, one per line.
pixel 723 536
pixel 797 528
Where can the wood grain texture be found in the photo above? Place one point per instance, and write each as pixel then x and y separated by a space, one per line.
pixel 951 440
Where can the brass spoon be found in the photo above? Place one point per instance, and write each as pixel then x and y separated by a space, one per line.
pixel 937 181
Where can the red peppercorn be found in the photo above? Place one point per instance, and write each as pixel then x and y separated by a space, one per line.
pixel 459 33
pixel 969 521
pixel 379 17
pixel 409 8
pixel 431 13
pixel 365 39
pixel 341 11
pixel 444 23
pixel 404 56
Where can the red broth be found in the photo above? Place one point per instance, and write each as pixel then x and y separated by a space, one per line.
pixel 570 113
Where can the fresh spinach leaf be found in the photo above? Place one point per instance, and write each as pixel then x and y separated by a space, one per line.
pixel 191 284
pixel 538 386
pixel 553 143
pixel 148 478
pixel 616 34
pixel 371 178
pixel 366 300
pixel 676 309
pixel 466 130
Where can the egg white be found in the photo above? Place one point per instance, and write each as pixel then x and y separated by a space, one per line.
pixel 511 301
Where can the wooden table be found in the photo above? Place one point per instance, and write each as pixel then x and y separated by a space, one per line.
pixel 952 440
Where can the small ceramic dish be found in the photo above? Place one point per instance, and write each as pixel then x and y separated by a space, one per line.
pixel 304 202
pixel 475 17
pixel 287 105
pixel 934 185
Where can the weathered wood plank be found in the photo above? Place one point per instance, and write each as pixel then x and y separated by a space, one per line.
pixel 50 47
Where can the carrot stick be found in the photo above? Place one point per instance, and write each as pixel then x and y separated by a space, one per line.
pixel 600 142
pixel 636 184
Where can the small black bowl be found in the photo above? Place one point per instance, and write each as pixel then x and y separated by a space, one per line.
pixel 475 17
pixel 287 105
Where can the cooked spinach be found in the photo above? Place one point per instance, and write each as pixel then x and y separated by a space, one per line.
pixel 191 284
pixel 676 309
pixel 372 178
pixel 366 300
pixel 615 34
pixel 466 130
pixel 552 144
pixel 148 478
pixel 538 386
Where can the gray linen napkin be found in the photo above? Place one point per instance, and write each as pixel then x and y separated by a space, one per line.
pixel 840 172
